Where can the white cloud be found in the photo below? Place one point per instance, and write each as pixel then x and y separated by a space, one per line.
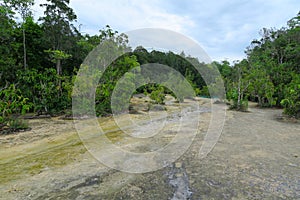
pixel 227 28
pixel 129 15
pixel 223 28
pixel 166 40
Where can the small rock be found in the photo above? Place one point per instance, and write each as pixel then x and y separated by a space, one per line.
pixel 292 165
pixel 178 165
pixel 157 107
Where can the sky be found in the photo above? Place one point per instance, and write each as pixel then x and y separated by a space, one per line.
pixel 223 28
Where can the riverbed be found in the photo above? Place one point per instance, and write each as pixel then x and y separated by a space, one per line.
pixel 256 157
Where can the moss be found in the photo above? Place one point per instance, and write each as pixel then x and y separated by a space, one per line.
pixel 54 155
pixel 115 136
pixel 51 154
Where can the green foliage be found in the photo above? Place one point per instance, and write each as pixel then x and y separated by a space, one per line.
pixel 17 124
pixel 60 35
pixel 238 85
pixel 12 101
pixel 123 91
pixel 186 66
pixel 109 80
pixel 262 87
pixel 23 8
pixel 158 94
pixel 83 94
pixel 204 92
pixel 42 89
pixel 57 55
pixel 57 23
pixel 52 49
pixel 7 45
pixel 236 103
pixel 242 106
pixel 270 74
pixel 291 102
pixel 12 104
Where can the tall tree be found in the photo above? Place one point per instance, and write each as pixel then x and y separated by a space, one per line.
pixel 58 28
pixel 7 45
pixel 23 7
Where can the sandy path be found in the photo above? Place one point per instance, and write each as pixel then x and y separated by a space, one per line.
pixel 256 157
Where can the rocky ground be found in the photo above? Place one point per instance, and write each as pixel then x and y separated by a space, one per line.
pixel 256 157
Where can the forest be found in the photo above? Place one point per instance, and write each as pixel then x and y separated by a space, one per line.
pixel 40 59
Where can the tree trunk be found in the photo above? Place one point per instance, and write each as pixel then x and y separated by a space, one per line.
pixel 24 48
pixel 259 101
pixel 58 67
pixel 239 93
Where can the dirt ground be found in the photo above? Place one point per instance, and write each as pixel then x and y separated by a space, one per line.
pixel 256 157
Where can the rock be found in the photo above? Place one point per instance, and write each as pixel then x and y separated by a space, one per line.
pixel 157 107
pixel 141 95
pixel 292 165
pixel 178 165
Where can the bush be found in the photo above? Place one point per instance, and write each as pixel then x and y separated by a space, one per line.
pixel 291 102
pixel 291 108
pixel 49 92
pixel 17 124
pixel 12 104
pixel 242 106
pixel 158 95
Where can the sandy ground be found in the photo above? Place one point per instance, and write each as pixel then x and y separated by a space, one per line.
pixel 256 157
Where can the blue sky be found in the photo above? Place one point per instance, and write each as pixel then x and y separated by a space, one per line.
pixel 224 28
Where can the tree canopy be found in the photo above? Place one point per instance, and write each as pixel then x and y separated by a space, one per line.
pixel 270 74
pixel 40 59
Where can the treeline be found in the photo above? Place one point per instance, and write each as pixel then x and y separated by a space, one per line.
pixel 39 61
pixel 270 75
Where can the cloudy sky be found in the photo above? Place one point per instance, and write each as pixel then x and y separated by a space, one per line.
pixel 224 28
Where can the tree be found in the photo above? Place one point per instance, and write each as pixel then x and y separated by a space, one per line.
pixel 272 69
pixel 7 45
pixel 58 28
pixel 23 8
pixel 41 89
pixel 109 80
pixel 56 57
pixel 237 89
pixel 291 102
pixel 261 87
pixel 35 44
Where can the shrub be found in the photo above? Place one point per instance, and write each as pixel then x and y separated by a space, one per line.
pixel 242 106
pixel 12 104
pixel 291 102
pixel 158 95
pixel 49 92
